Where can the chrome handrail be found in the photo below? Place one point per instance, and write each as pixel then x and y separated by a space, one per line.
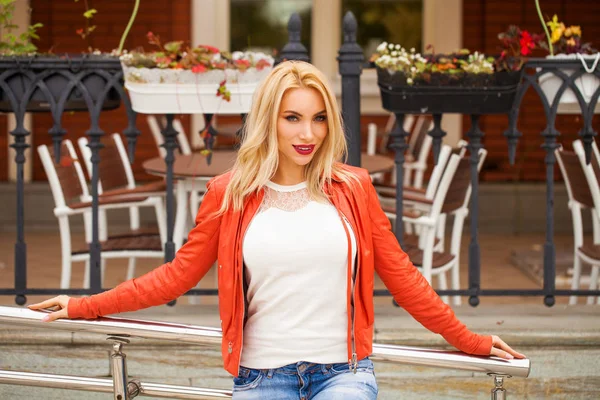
pixel 193 334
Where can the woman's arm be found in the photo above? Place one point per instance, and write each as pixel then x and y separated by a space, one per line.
pixel 159 286
pixel 412 291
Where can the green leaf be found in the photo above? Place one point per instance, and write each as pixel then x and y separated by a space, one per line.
pixel 90 13
pixel 173 47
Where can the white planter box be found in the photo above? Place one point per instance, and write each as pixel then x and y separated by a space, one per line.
pixel 186 98
pixel 165 91
pixel 587 85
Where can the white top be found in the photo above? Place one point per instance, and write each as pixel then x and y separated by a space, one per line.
pixel 296 256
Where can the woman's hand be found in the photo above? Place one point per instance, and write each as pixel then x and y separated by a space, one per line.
pixel 502 350
pixel 58 304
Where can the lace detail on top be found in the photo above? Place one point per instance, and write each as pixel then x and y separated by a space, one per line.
pixel 286 198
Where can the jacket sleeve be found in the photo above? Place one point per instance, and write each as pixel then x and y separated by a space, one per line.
pixel 412 291
pixel 167 282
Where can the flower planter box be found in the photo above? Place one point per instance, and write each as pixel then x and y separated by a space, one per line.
pixel 587 84
pixel 443 93
pixel 26 78
pixel 173 91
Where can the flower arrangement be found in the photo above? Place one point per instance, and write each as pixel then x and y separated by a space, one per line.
pixel 566 40
pixel 516 46
pixel 431 68
pixel 187 63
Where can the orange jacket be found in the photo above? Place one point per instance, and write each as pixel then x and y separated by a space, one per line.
pixel 221 237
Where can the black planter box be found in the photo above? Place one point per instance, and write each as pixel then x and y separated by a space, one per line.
pixel 20 73
pixel 468 94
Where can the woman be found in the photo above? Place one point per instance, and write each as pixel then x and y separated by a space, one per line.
pixel 298 236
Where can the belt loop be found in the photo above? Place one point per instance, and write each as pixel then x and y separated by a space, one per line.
pixel 270 373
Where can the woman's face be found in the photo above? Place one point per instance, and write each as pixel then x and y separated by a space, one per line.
pixel 301 127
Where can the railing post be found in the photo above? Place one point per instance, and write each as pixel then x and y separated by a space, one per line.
pixel 499 392
pixel 294 49
pixel 399 145
pixel 474 134
pixel 350 60
pixel 170 144
pixel 437 134
pixel 119 369
pixel 20 145
pixel 95 133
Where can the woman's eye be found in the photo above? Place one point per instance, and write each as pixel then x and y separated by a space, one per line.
pixel 321 118
pixel 291 118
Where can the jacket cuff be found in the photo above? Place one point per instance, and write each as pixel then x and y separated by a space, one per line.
pixel 485 346
pixel 75 308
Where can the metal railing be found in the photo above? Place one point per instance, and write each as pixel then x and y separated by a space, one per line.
pixel 121 330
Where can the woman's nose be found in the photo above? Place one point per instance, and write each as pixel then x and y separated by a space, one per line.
pixel 306 133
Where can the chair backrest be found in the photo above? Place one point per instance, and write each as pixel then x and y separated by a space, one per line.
pixel 438 170
pixel 64 177
pixel 419 142
pixel 591 172
pixel 389 127
pixel 577 187
pixel 156 127
pixel 114 171
pixel 454 190
pixel 444 186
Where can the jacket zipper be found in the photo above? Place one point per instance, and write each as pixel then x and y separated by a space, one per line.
pixel 241 258
pixel 353 361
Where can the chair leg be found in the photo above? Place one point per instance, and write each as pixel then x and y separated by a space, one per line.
pixel 576 277
pixel 443 285
pixel 593 282
pixel 130 268
pixel 455 271
pixel 86 274
pixel 65 275
pixel 102 271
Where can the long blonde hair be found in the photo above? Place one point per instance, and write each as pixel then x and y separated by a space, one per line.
pixel 258 156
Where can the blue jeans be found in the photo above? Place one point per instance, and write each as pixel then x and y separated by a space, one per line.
pixel 307 381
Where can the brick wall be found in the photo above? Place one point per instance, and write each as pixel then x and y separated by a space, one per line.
pixel 482 21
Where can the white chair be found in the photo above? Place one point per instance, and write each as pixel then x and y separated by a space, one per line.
pixel 585 252
pixel 116 180
pixel 71 198
pixel 451 198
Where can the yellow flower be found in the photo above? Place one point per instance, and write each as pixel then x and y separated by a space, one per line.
pixel 557 33
pixel 554 23
pixel 568 32
pixel 576 30
pixel 571 42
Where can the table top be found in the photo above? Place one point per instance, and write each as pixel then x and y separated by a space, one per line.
pixel 195 165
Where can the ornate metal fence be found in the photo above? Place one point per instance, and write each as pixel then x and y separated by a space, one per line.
pixel 96 84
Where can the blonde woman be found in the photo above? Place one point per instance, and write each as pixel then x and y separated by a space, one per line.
pixel 298 236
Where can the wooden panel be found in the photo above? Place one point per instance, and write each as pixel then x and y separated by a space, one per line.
pixel 61 18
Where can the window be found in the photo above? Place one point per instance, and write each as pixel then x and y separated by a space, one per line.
pixel 261 25
pixel 393 21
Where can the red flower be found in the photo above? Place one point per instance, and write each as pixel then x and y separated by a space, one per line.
pixel 199 68
pixel 526 42
pixel 210 49
pixel 262 64
pixel 79 31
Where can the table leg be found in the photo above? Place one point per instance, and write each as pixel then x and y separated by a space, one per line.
pixel 181 215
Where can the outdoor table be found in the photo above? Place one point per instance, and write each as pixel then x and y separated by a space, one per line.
pixel 192 171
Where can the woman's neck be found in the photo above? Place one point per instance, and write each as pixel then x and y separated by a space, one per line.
pixel 288 176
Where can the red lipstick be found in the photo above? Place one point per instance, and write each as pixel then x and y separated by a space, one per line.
pixel 304 149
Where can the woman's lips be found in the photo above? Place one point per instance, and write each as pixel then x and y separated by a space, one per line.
pixel 304 149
